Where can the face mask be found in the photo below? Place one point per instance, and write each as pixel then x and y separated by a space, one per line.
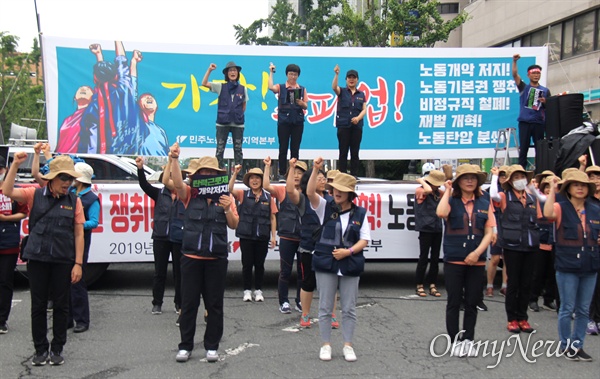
pixel 520 184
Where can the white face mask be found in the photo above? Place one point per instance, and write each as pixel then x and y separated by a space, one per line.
pixel 520 184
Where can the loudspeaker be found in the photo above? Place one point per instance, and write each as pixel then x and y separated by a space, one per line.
pixel 563 114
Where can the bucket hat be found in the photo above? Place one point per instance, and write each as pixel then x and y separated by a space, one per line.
pixel 252 171
pixel 513 169
pixel 342 182
pixel 230 65
pixel 86 171
pixel 63 164
pixel 435 178
pixel 466 168
pixel 576 176
pixel 205 162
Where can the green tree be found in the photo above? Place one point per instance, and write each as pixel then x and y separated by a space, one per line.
pixel 18 95
pixel 385 23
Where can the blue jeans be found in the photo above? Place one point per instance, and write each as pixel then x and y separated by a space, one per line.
pixel 576 290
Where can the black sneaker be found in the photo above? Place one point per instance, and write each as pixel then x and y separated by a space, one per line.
pixel 533 306
pixel 156 310
pixel 40 359
pixel 583 356
pixel 549 305
pixel 177 321
pixel 56 359
pixel 481 306
pixel 3 328
pixel 570 354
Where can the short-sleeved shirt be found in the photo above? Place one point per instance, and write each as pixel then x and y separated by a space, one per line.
pixel 240 197
pixel 29 192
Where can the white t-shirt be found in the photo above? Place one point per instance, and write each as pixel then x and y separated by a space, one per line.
pixel 365 228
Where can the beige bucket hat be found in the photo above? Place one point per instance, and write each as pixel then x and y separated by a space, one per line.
pixel 62 164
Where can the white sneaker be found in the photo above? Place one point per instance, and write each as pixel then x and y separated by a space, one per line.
pixel 212 356
pixel 349 354
pixel 258 296
pixel 183 356
pixel 247 295
pixel 325 353
pixel 457 349
pixel 469 349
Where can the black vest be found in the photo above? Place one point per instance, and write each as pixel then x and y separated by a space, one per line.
pixel 288 219
pixel 255 217
pixel 463 234
pixel 231 111
pixel 546 229
pixel 168 218
pixel 310 229
pixel 576 248
pixel 51 238
pixel 87 199
pixel 10 231
pixel 348 107
pixel 288 112
pixel 205 229
pixel 520 231
pixel 333 237
pixel 426 219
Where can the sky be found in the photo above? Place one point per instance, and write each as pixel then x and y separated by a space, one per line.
pixel 203 22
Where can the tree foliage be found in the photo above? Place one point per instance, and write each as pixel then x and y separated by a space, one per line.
pixel 19 95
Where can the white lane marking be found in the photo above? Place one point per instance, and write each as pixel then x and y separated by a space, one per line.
pixel 234 351
pixel 14 302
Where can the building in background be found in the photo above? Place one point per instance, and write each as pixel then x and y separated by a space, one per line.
pixel 571 29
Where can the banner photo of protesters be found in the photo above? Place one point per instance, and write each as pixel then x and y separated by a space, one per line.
pixel 138 98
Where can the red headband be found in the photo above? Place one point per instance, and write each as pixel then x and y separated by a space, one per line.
pixel 534 70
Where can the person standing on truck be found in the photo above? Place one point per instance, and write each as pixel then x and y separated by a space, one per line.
pixel 204 261
pixel 338 259
pixel 429 226
pixel 166 219
pixel 351 109
pixel 54 250
pixel 79 310
pixel 288 228
pixel 233 97
pixel 532 110
pixel 256 229
pixel 11 214
pixel 291 104
pixel 469 221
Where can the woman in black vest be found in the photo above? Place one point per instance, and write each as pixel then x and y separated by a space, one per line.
pixel 11 215
pixel 256 229
pixel 519 237
pixel 469 221
pixel 54 250
pixel 577 258
pixel 338 259
pixel 230 110
pixel 292 102
pixel 351 109
pixel 429 226
pixel 205 250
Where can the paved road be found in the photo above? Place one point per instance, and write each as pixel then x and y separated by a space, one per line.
pixel 392 339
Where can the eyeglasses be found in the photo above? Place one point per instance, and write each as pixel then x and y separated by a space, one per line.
pixel 65 177
pixel 321 179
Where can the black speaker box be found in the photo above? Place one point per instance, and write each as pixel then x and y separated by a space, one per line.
pixel 563 114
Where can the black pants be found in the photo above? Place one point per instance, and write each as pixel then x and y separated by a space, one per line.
pixel 8 262
pixel 526 132
pixel 595 304
pixel 349 138
pixel 288 249
pixel 428 242
pixel 519 269
pixel 288 135
pixel 462 279
pixel 162 250
pixel 254 254
pixel 544 277
pixel 45 277
pixel 204 277
pixel 79 307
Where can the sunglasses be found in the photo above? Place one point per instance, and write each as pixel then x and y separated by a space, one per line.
pixel 65 177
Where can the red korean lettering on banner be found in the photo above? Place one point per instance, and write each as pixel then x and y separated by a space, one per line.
pixel 376 115
pixel 100 227
pixel 320 107
pixel 119 210
pixel 372 203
